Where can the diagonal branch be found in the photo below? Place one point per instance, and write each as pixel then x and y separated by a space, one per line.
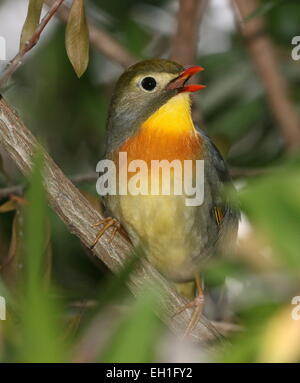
pixel 79 216
pixel 100 39
pixel 17 60
pixel 185 42
pixel 262 54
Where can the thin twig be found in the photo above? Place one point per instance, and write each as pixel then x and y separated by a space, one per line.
pixel 79 216
pixel 185 42
pixel 19 189
pixel 263 56
pixel 235 173
pixel 100 39
pixel 18 59
pixel 81 178
pixel 15 189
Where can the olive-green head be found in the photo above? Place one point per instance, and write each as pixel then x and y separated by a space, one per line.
pixel 140 91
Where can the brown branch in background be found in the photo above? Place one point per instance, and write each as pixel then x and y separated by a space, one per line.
pixel 262 54
pixel 79 216
pixel 100 39
pixel 185 42
pixel 17 60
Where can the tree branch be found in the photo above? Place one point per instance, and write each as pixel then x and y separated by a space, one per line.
pixel 17 60
pixel 262 54
pixel 185 42
pixel 79 216
pixel 100 40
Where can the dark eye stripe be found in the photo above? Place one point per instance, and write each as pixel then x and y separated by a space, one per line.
pixel 148 83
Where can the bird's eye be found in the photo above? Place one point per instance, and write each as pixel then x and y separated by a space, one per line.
pixel 148 83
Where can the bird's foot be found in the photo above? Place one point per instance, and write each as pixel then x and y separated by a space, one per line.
pixel 107 223
pixel 198 304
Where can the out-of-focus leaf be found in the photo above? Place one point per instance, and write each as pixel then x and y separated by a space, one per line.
pixel 280 342
pixel 48 252
pixel 17 235
pixel 77 38
pixel 243 346
pixel 42 341
pixel 242 350
pixel 12 266
pixel 32 20
pixel 273 205
pixel 263 9
pixel 115 286
pixel 135 340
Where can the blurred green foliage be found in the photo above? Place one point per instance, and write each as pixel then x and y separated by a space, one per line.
pixel 41 339
pixel 136 338
pixel 68 115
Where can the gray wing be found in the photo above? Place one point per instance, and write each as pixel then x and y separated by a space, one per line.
pixel 224 215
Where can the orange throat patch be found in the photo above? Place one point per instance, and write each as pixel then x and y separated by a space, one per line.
pixel 168 134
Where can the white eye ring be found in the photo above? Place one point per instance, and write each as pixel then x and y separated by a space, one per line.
pixel 148 84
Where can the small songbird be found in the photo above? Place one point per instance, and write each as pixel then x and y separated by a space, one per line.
pixel 150 119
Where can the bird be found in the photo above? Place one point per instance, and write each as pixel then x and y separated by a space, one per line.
pixel 150 119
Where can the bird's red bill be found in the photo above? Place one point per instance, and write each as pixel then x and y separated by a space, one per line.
pixel 179 82
pixel 192 88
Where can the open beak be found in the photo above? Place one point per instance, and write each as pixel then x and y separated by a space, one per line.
pixel 178 83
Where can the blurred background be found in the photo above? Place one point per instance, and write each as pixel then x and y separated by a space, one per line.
pixel 250 108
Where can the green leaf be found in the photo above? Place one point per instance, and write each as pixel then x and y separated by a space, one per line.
pixel 243 346
pixel 42 337
pixel 273 205
pixel 77 38
pixel 135 340
pixel 32 20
